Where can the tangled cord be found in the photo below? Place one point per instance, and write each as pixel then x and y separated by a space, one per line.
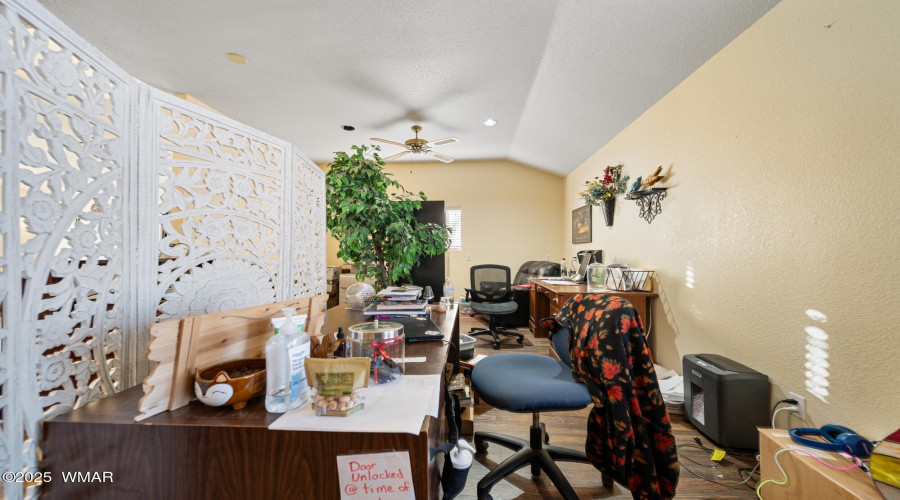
pixel 734 485
pixel 857 462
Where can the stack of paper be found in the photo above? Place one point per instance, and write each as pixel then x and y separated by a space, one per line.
pixel 408 292
pixel 672 389
pixel 671 385
pixel 411 307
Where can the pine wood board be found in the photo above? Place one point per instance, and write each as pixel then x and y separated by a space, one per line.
pixel 179 346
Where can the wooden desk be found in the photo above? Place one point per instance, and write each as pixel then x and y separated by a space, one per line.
pixel 200 452
pixel 546 300
pixel 806 477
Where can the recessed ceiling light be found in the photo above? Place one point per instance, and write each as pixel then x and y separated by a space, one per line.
pixel 490 122
pixel 236 58
pixel 349 128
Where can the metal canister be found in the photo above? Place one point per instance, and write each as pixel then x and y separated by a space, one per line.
pixel 383 343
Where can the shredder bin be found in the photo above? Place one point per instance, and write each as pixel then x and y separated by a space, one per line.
pixel 725 400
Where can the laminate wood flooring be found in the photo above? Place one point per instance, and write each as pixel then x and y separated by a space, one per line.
pixel 568 429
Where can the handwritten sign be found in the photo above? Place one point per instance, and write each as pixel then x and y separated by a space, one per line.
pixel 376 476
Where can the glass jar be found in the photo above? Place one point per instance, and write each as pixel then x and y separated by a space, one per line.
pixel 596 277
pixel 382 342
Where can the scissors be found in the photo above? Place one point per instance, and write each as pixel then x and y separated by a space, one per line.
pixel 378 349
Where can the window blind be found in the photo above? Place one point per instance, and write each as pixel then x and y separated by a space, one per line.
pixel 453 218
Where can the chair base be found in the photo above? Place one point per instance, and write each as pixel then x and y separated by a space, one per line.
pixel 535 452
pixel 496 332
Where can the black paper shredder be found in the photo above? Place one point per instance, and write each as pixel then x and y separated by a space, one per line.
pixel 725 400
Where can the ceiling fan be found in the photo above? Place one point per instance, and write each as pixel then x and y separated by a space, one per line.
pixel 419 146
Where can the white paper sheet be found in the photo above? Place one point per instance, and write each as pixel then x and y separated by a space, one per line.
pixel 561 282
pixel 417 359
pixel 672 389
pixel 400 406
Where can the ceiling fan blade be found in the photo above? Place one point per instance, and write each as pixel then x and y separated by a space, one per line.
pixel 443 158
pixel 398 155
pixel 447 140
pixel 388 142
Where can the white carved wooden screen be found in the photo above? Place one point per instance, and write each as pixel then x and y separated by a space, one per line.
pixel 121 206
pixel 221 193
pixel 66 323
pixel 308 258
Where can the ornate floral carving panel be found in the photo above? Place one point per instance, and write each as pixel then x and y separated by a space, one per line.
pixel 65 157
pixel 97 243
pixel 308 256
pixel 225 215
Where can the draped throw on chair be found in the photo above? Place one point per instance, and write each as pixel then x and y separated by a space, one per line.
pixel 629 434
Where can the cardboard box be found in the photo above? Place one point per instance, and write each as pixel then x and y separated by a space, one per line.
pixel 468 421
pixel 808 479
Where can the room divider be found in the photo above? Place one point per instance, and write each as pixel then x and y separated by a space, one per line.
pixel 123 206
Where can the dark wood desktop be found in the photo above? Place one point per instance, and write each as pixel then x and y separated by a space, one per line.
pixel 546 299
pixel 201 452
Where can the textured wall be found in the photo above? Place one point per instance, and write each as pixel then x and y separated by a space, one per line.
pixel 777 243
pixel 509 211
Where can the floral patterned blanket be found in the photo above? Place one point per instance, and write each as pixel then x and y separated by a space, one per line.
pixel 629 435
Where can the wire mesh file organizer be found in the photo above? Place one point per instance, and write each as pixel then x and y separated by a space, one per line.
pixel 627 280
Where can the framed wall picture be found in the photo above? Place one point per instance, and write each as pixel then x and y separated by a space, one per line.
pixel 581 225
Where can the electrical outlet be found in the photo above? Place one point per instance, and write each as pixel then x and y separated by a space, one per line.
pixel 801 405
pixel 548 257
pixel 468 256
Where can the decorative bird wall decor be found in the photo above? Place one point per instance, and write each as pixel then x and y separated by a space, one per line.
pixel 636 186
pixel 653 179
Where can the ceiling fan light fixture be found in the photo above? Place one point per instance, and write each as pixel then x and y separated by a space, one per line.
pixel 490 122
pixel 419 146
pixel 236 58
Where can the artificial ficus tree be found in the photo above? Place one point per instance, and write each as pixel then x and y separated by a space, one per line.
pixel 372 217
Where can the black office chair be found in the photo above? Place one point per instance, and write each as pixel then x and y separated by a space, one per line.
pixel 531 383
pixel 491 294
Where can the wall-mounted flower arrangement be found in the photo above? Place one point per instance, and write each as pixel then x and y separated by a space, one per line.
pixel 603 191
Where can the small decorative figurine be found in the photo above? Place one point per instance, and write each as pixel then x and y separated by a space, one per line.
pixel 328 345
pixel 653 179
pixel 636 186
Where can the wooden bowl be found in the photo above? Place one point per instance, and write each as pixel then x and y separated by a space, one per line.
pixel 232 383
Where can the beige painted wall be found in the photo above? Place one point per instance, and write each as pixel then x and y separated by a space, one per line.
pixel 782 156
pixel 502 221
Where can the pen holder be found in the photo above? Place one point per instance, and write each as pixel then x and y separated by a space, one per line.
pixel 383 343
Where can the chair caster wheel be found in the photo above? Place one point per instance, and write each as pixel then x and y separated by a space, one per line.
pixel 496 347
pixel 481 447
pixel 486 496
pixel 521 340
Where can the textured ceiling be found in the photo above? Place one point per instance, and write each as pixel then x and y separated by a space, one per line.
pixel 561 78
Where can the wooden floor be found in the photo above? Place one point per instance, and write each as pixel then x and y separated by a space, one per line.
pixel 568 429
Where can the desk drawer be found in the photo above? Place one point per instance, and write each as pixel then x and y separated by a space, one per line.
pixel 554 302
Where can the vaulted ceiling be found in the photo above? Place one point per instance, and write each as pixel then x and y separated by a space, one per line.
pixel 561 78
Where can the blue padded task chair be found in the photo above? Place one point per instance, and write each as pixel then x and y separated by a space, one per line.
pixel 531 383
pixel 492 294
